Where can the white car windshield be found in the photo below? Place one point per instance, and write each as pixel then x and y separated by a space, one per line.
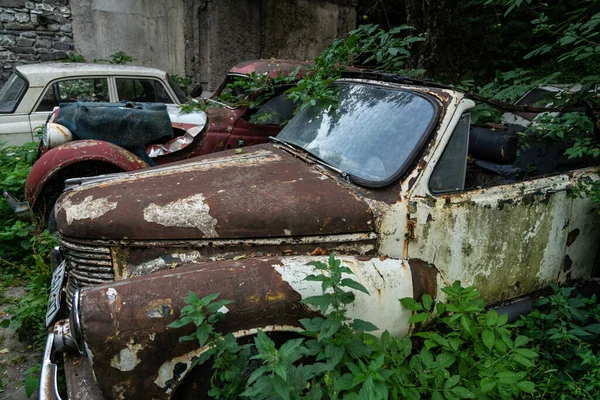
pixel 11 93
pixel 373 134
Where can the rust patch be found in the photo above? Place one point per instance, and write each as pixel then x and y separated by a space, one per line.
pixel 125 355
pixel 424 278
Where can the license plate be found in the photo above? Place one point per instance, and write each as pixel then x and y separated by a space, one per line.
pixel 55 290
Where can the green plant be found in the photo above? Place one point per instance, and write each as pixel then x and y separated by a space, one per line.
pixel 182 82
pixel 464 352
pixel 565 328
pixel 75 58
pixel 25 247
pixel 31 379
pixel 120 57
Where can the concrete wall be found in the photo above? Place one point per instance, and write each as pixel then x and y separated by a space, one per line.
pixel 151 31
pixel 222 33
pixel 33 31
pixel 200 39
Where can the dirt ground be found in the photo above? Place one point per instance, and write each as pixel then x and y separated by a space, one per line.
pixel 15 356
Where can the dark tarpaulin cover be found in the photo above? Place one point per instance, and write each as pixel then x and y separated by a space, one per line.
pixel 129 125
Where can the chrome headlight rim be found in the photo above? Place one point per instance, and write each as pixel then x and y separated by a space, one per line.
pixel 75 323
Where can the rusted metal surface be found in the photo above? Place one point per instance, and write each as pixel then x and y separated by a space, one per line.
pixel 105 261
pixel 62 156
pixel 271 67
pixel 266 193
pixel 127 322
pixel 135 355
pixel 80 379
pixel 424 278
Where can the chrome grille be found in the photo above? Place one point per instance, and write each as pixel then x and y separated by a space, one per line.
pixel 86 265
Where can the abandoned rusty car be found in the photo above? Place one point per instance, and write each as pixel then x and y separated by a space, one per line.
pixel 393 180
pixel 108 149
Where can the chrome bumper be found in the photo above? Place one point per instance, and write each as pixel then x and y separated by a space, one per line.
pixel 21 208
pixel 48 389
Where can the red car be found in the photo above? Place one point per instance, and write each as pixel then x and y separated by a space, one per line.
pixel 228 127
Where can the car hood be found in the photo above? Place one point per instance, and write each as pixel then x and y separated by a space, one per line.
pixel 260 193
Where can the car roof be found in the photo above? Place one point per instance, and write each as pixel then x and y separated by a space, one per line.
pixel 271 67
pixel 41 74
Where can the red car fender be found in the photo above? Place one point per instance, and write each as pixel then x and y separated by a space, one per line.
pixel 56 159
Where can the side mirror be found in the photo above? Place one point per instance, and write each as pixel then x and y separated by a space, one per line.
pixel 196 91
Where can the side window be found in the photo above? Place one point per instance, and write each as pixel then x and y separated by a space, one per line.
pixel 142 90
pixel 449 173
pixel 72 90
pixel 275 111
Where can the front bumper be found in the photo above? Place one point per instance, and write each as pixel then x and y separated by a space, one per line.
pixel 78 370
pixel 21 208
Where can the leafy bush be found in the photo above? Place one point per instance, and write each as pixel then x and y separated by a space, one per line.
pixel 24 248
pixel 565 328
pixel 464 353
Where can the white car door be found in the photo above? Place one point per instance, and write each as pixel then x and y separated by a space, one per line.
pixel 15 129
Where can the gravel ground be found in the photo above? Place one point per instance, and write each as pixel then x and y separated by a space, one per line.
pixel 15 356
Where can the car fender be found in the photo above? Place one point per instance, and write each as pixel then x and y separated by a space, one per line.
pixel 56 159
pixel 135 354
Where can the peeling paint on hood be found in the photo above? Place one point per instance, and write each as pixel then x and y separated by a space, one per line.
pixel 264 192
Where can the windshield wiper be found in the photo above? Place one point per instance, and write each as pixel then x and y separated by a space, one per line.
pixel 311 157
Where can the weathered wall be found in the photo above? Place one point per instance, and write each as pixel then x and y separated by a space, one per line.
pixel 33 31
pixel 222 33
pixel 201 39
pixel 151 31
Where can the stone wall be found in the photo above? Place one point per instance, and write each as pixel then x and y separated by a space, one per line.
pixel 33 31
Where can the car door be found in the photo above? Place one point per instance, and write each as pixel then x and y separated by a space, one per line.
pixel 257 125
pixel 92 89
pixel 508 239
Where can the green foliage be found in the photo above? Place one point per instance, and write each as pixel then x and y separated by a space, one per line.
pixel 182 82
pixel 32 379
pixel 565 328
pixel 464 352
pixel 24 248
pixel 367 46
pixel 120 57
pixel 75 58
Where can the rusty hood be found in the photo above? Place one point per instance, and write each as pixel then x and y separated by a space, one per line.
pixel 259 193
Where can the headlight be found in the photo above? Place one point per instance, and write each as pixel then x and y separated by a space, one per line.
pixel 55 134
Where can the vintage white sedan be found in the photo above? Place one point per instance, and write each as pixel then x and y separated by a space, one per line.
pixel 34 90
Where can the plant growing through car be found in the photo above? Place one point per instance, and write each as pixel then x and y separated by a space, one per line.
pixel 463 352
pixel 367 46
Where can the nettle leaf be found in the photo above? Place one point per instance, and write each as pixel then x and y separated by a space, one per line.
pixel 365 326
pixel 419 317
pixel 427 301
pixel 351 283
pixel 329 328
pixel 411 304
pixel 322 301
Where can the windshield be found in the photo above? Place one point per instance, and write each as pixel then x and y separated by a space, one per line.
pixel 178 92
pixel 11 93
pixel 373 134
